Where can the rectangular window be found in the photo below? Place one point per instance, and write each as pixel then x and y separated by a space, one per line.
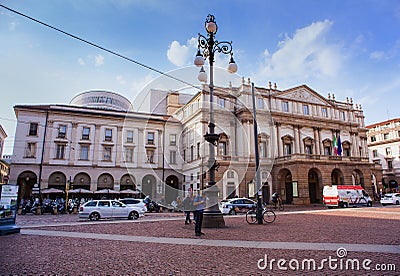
pixel 343 115
pixel 222 148
pixel 308 149
pixel 390 164
pixel 324 112
pixel 386 136
pixel 260 103
pixel 129 136
pixel 108 135
pixel 62 131
pixel 198 175
pixel 191 177
pixel 221 102
pixel 306 110
pixel 263 149
pixel 327 150
pixel 285 106
pixel 150 155
pixel 85 133
pixel 288 149
pixel 60 151
pixel 198 150
pixel 84 154
pixel 30 151
pixel 172 157
pixel 373 138
pixel 129 155
pixel 172 139
pixel 33 128
pixel 150 138
pixel 191 153
pixel 184 155
pixel 375 153
pixel 107 154
pixel 388 151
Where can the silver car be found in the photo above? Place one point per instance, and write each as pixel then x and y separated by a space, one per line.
pixel 108 208
pixel 134 202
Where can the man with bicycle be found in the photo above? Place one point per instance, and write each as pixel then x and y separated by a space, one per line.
pixel 277 201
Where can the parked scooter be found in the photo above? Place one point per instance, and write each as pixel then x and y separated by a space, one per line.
pixel 151 205
pixel 30 207
pixel 48 206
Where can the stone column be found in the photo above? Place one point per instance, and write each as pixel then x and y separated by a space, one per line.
pixel 97 150
pixel 141 147
pixel 119 147
pixel 316 141
pixel 278 139
pixel 73 144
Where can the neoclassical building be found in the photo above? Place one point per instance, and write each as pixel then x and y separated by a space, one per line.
pixel 98 142
pixel 384 149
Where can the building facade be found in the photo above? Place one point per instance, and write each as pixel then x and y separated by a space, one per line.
pixel 4 165
pixel 96 143
pixel 384 149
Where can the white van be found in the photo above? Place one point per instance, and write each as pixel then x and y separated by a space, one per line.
pixel 345 196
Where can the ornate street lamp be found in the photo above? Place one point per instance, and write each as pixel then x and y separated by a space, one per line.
pixel 207 47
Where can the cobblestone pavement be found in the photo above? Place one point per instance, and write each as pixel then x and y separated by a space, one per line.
pixel 373 228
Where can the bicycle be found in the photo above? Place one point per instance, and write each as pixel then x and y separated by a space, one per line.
pixel 277 205
pixel 267 214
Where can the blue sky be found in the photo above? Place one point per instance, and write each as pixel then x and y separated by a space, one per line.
pixel 349 48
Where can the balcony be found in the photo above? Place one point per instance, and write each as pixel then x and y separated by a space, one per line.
pixel 310 157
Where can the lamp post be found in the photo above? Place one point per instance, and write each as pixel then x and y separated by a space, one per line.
pixel 207 47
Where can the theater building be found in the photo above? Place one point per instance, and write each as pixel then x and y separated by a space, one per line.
pixel 98 141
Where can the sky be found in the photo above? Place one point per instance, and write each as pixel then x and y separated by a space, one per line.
pixel 349 48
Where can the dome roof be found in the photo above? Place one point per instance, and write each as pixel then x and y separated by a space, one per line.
pixel 102 99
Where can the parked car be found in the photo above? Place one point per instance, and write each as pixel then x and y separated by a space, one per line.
pixel 237 205
pixel 97 209
pixel 392 198
pixel 134 202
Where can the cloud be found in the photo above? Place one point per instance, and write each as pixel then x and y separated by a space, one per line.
pixel 99 60
pixel 377 55
pixel 81 61
pixel 120 79
pixel 306 54
pixel 181 55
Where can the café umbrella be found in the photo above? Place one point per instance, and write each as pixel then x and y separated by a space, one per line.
pixel 80 191
pixel 52 191
pixel 106 191
pixel 129 191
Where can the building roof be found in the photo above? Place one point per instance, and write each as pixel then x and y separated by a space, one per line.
pixel 383 123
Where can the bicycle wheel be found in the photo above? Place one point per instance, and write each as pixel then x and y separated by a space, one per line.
pixel 251 217
pixel 269 216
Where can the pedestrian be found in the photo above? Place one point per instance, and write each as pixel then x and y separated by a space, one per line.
pixel 188 205
pixel 199 204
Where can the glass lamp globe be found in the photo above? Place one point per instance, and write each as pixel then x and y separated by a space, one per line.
pixel 199 59
pixel 211 27
pixel 232 67
pixel 202 77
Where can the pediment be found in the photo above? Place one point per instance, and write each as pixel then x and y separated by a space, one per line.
pixel 303 94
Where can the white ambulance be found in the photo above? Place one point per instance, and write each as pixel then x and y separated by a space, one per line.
pixel 345 196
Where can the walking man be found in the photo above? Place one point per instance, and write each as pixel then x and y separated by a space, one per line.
pixel 188 205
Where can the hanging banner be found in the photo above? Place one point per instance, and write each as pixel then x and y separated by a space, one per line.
pixel 8 208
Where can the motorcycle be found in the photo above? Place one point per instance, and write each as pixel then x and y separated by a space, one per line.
pixel 61 207
pixel 48 206
pixel 71 205
pixel 30 207
pixel 151 205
